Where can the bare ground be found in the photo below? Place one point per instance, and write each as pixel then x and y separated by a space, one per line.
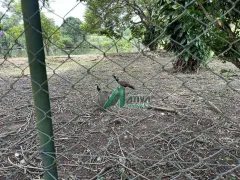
pixel 200 142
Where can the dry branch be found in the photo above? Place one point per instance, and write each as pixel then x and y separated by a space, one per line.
pixel 214 107
pixel 163 109
pixel 104 170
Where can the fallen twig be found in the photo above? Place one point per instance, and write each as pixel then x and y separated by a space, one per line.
pixel 25 125
pixel 134 171
pixel 24 106
pixel 24 167
pixel 119 144
pixel 214 108
pixel 163 109
pixel 57 97
pixel 105 169
pixel 3 135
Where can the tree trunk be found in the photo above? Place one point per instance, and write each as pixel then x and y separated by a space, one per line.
pixel 47 50
pixel 153 46
pixel 191 65
pixel 115 44
pixel 46 47
pixel 236 62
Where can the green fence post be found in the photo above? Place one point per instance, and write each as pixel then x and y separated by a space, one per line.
pixel 36 58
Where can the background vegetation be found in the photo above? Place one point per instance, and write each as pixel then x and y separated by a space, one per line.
pixel 190 29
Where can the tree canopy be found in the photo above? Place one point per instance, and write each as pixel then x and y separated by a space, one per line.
pixel 71 30
pixel 189 28
pixel 51 33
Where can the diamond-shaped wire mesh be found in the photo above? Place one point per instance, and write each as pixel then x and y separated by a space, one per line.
pixel 184 55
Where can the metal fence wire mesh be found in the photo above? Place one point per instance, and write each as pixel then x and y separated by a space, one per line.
pixel 183 56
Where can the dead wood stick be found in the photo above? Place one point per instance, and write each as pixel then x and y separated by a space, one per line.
pixel 23 106
pixel 57 97
pixel 163 109
pixel 214 107
pixel 103 170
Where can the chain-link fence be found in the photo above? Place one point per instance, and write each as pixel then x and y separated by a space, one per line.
pixel 178 62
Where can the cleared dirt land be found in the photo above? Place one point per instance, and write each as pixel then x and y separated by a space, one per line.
pixel 200 142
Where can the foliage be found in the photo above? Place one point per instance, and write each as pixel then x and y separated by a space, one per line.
pixel 12 25
pixel 71 28
pixel 15 33
pixel 99 20
pixel 189 28
pixel 67 41
pixel 111 22
pixel 205 25
pixel 148 24
pixel 105 43
pixel 185 40
pixel 224 34
pixel 124 45
pixel 51 33
pixel 212 25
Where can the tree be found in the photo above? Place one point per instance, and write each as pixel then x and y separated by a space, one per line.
pixel 203 26
pixel 12 27
pixel 223 36
pixel 67 42
pixel 148 25
pixel 183 31
pixel 51 33
pixel 15 33
pixel 210 25
pixel 71 29
pixel 98 20
pixel 111 18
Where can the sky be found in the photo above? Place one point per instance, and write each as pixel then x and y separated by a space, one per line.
pixel 64 9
